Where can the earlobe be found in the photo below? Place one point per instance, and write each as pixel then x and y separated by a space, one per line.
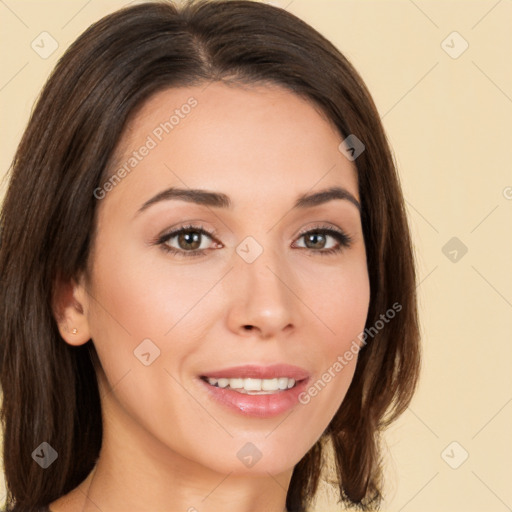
pixel 70 312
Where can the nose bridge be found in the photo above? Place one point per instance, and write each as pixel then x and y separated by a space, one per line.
pixel 265 300
pixel 265 275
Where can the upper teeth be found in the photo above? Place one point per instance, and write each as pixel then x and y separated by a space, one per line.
pixel 276 384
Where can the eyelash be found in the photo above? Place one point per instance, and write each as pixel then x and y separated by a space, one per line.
pixel 344 240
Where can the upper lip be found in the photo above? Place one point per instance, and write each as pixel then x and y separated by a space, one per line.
pixel 253 371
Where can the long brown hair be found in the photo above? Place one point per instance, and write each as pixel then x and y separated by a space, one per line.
pixel 50 391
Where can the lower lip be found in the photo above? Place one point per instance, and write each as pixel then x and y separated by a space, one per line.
pixel 260 406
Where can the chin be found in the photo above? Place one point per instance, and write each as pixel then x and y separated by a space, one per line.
pixel 257 459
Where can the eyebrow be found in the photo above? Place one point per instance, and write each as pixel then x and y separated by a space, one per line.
pixel 220 200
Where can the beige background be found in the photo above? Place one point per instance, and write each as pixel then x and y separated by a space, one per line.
pixel 450 124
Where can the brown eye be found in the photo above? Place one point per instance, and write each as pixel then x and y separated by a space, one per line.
pixel 186 241
pixel 316 240
pixel 189 240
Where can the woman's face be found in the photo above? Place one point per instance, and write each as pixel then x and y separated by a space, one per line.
pixel 242 287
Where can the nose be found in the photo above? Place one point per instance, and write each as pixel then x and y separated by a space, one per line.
pixel 263 301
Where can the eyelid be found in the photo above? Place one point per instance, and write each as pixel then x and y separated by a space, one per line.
pixel 324 227
pixel 185 227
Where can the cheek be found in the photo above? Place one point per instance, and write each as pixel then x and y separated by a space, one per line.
pixel 139 296
pixel 123 308
pixel 341 300
pixel 144 290
pixel 339 297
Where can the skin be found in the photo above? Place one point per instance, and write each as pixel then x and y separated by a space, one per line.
pixel 166 444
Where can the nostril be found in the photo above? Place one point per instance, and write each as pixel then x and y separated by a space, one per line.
pixel 248 327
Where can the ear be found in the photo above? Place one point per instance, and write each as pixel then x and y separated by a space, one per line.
pixel 70 307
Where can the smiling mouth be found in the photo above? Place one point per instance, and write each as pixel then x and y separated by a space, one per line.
pixel 250 386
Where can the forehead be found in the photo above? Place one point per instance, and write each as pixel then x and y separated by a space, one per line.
pixel 254 143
